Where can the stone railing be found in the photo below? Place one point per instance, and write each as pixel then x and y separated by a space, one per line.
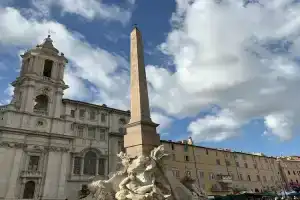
pixel 224 178
pixel 4 107
pixel 31 174
pixel 40 112
pixel 220 188
pixel 47 78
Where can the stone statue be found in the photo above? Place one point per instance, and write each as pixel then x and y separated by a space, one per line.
pixel 142 178
pixel 189 183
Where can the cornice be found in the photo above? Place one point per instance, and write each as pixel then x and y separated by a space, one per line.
pixel 39 79
pixel 102 107
pixel 14 145
pixel 36 133
pixel 17 145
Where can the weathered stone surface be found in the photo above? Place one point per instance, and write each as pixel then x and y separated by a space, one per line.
pixel 143 178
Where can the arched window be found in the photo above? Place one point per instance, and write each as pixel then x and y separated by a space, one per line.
pixel 29 190
pixel 41 103
pixel 90 160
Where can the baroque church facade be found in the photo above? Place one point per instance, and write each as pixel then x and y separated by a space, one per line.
pixel 51 146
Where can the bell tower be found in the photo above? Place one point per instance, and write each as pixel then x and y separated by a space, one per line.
pixel 39 87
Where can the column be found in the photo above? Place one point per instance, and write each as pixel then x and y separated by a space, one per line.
pixel 82 165
pixel 97 166
pixel 72 167
pixel 52 175
pixel 30 96
pixel 105 167
pixel 63 174
pixel 22 189
pixel 14 173
pixel 57 103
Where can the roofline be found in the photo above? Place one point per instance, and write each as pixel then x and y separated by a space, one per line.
pixel 202 147
pixel 104 107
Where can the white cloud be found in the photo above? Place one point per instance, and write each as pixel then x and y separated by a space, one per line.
pixel 216 128
pixel 225 55
pixel 88 9
pixel 93 64
pixel 78 89
pixel 163 121
pixel 9 90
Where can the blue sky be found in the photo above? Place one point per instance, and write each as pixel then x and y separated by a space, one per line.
pixel 224 73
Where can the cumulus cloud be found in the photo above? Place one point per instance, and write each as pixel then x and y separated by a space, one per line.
pixel 92 64
pixel 238 55
pixel 88 9
pixel 163 120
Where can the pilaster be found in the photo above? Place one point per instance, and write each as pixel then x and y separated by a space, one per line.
pixel 14 173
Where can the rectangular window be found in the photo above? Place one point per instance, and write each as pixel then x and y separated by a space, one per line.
pixel 255 166
pixel 102 135
pixel 186 147
pixel 48 68
pixel 81 113
pixel 265 179
pixel 176 173
pixel 77 165
pixel 92 115
pixel 188 173
pixel 249 178
pixel 245 165
pixel 101 167
pixel 237 164
pixel 73 113
pixel 172 146
pixel 216 153
pixel 186 158
pixel 241 177
pixel 201 174
pixel 92 132
pixel 206 151
pixel 211 176
pixel 173 157
pixel 80 131
pixel 258 178
pixel 33 163
pixel 218 162
pixel 227 162
pixel 103 117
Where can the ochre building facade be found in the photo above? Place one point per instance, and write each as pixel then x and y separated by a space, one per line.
pixel 222 171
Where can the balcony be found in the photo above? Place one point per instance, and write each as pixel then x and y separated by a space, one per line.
pixel 2 108
pixel 31 174
pixel 40 112
pixel 45 78
pixel 224 178
pixel 220 188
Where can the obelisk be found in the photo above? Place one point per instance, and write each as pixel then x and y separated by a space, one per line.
pixel 141 136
